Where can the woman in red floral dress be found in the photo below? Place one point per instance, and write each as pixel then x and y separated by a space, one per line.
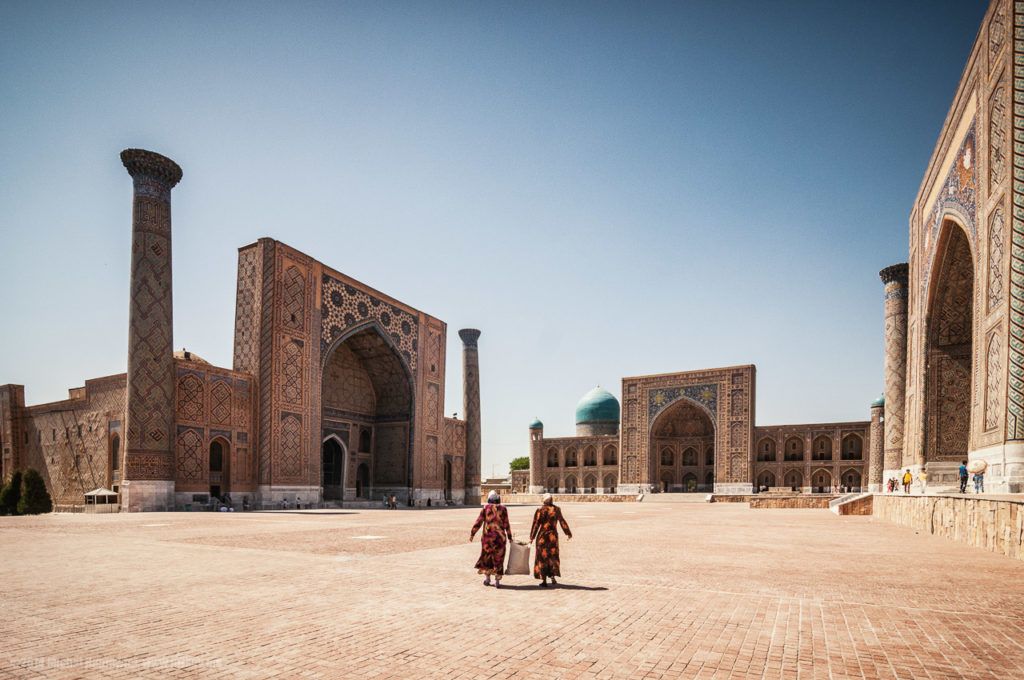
pixel 546 521
pixel 494 520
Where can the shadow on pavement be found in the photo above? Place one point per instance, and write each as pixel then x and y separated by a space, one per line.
pixel 560 586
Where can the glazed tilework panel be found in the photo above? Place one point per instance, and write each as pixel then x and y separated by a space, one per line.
pixel 344 306
pixel 659 399
pixel 959 194
pixel 150 349
pixel 295 420
pixel 1015 395
pixel 454 440
pixel 247 309
pixel 212 402
pixel 268 257
pixel 453 448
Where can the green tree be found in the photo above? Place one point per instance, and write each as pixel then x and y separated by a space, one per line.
pixel 520 463
pixel 35 499
pixel 10 495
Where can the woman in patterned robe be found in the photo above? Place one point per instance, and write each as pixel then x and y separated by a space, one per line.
pixel 494 520
pixel 546 521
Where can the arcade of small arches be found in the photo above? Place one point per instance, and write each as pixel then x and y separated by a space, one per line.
pixel 810 462
pixel 581 468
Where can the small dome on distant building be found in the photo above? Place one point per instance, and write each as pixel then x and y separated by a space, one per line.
pixel 186 355
pixel 536 424
pixel 878 402
pixel 597 406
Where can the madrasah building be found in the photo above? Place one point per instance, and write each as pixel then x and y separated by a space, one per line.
pixel 335 394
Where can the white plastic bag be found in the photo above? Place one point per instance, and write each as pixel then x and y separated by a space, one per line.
pixel 518 558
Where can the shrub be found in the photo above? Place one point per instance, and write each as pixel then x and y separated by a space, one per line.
pixel 35 499
pixel 520 463
pixel 10 495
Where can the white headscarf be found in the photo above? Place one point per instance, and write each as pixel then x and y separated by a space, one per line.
pixel 548 500
pixel 493 497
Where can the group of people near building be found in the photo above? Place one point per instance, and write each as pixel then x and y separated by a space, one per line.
pixel 977 476
pixel 497 533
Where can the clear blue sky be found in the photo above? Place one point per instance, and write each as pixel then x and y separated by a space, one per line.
pixel 604 189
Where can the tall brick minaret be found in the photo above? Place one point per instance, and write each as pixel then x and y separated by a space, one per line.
pixel 536 457
pixel 148 457
pixel 895 280
pixel 471 411
pixel 876 446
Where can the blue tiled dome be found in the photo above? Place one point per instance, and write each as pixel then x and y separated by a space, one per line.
pixel 536 424
pixel 878 402
pixel 597 406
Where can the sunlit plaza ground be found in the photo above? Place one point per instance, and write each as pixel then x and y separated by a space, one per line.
pixel 650 590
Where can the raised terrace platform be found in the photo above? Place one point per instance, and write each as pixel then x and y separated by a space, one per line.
pixel 991 522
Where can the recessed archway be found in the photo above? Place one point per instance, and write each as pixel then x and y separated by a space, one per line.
pixel 851 480
pixel 765 480
pixel 948 349
pixel 367 392
pixel 821 481
pixel 218 467
pixel 683 426
pixel 332 468
pixel 447 480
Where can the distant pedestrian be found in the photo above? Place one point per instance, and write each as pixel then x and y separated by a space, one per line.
pixel 907 480
pixel 494 521
pixel 922 477
pixel 546 521
pixel 393 502
pixel 963 476
pixel 979 482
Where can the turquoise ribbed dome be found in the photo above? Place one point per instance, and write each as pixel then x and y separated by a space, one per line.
pixel 536 424
pixel 878 402
pixel 597 406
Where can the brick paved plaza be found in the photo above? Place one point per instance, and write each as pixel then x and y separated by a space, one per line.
pixel 652 590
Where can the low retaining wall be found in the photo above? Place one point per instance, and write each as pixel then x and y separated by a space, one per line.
pixel 858 505
pixel 535 499
pixel 764 500
pixel 995 525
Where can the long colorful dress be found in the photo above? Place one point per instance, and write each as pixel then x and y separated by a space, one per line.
pixel 546 521
pixel 494 520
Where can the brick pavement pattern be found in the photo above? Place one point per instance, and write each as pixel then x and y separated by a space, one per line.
pixel 651 590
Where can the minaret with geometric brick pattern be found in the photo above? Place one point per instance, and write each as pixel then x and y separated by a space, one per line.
pixel 148 482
